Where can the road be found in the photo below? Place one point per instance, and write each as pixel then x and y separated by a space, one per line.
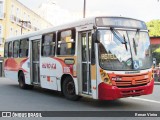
pixel 12 98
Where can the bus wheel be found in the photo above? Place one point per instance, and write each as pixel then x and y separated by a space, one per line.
pixel 68 89
pixel 21 81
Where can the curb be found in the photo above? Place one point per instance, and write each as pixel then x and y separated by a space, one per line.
pixel 157 83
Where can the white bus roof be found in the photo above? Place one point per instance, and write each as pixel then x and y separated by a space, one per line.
pixel 78 23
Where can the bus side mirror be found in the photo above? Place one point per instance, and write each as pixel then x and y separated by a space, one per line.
pixel 93 61
pixel 97 37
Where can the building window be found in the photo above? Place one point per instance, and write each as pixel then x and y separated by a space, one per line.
pixel 17 15
pixel 11 32
pixel 10 49
pixel 15 49
pixel 12 13
pixel 29 22
pixel 24 18
pixel 1 9
pixel 24 45
pixel 48 44
pixel 1 34
pixel 16 32
pixel 66 42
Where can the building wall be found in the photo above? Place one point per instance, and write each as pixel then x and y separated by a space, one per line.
pixel 155 40
pixel 13 12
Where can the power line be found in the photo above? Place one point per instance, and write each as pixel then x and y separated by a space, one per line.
pixel 22 21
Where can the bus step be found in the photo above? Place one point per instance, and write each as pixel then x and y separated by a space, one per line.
pixel 35 83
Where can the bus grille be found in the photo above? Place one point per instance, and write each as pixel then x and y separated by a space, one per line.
pixel 129 81
pixel 130 93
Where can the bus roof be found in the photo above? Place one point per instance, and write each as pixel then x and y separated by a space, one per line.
pixel 78 23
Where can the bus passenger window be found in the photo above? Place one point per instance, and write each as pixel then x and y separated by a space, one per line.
pixel 24 45
pixel 10 49
pixel 48 45
pixel 15 49
pixel 66 43
pixel 6 50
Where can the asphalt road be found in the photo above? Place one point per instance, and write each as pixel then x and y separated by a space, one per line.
pixel 12 98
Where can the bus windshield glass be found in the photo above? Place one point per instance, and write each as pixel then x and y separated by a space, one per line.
pixel 124 50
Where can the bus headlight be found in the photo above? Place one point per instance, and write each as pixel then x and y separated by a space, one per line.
pixel 106 80
pixel 105 77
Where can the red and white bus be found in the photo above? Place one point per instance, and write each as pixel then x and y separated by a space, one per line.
pixel 102 58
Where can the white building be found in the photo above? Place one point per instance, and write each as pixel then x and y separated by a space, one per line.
pixel 54 13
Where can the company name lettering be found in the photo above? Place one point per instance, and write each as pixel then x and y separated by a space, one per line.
pixel 49 65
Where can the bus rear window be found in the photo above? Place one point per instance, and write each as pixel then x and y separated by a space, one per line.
pixel 10 49
pixel 15 49
pixel 6 50
pixel 24 46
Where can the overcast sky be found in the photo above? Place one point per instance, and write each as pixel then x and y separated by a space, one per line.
pixel 145 10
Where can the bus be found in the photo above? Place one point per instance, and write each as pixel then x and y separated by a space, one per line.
pixel 103 58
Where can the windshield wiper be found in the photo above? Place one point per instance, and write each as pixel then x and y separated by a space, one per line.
pixel 125 42
pixel 119 37
pixel 135 45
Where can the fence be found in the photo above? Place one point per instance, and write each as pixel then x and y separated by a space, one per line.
pixel 157 74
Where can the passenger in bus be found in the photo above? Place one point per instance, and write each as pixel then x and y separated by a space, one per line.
pixel 63 48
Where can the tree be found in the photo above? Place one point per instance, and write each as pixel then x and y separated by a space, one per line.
pixel 154 28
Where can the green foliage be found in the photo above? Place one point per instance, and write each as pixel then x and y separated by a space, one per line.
pixel 154 28
pixel 157 50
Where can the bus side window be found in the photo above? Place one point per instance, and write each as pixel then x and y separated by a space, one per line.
pixel 66 42
pixel 10 51
pixel 15 49
pixel 48 44
pixel 24 46
pixel 6 50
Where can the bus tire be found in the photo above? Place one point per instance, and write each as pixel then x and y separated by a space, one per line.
pixel 21 80
pixel 68 89
pixel 30 87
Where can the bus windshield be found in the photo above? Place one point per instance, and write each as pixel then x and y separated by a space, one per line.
pixel 124 50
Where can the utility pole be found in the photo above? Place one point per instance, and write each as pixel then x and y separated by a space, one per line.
pixel 22 22
pixel 84 9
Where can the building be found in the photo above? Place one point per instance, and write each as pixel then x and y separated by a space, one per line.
pixel 55 13
pixel 14 15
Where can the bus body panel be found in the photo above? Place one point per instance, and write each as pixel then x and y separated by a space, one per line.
pixel 13 66
pixel 107 92
pixel 127 85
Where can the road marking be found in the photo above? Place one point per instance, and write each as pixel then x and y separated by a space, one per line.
pixel 147 100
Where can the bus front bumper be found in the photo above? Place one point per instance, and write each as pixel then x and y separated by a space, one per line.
pixel 108 92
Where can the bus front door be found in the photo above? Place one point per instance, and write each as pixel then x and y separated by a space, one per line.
pixel 35 62
pixel 86 61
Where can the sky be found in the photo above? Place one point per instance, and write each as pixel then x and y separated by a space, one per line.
pixel 145 10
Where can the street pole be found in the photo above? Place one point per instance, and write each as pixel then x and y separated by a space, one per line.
pixel 84 9
pixel 22 21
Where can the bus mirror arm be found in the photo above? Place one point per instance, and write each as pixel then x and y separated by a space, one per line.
pixel 96 37
pixel 93 49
